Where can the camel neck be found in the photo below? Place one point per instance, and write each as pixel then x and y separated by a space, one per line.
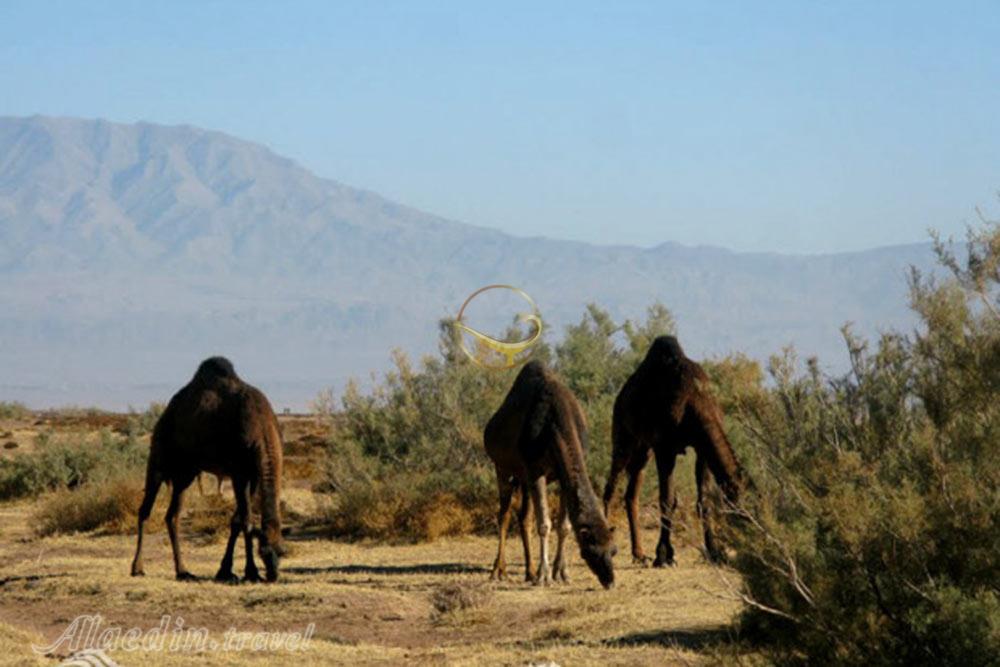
pixel 582 505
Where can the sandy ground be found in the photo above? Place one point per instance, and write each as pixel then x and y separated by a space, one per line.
pixel 366 603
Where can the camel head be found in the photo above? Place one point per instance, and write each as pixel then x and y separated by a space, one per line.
pixel 597 548
pixel 734 489
pixel 270 551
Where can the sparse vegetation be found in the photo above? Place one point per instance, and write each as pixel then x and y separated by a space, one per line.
pixel 110 505
pixel 94 485
pixel 872 533
pixel 12 410
pixel 406 461
pixel 69 462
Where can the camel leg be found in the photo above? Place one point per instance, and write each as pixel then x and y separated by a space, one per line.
pixel 544 524
pixel 153 483
pixel 523 519
pixel 702 476
pixel 622 446
pixel 562 530
pixel 237 525
pixel 172 519
pixel 250 571
pixel 506 490
pixel 617 467
pixel 665 460
pixel 636 468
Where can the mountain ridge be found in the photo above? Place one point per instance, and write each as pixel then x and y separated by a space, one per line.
pixel 130 252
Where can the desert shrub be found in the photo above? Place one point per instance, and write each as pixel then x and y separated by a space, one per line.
pixel 67 463
pixel 871 535
pixel 13 410
pixel 406 459
pixel 207 515
pixel 111 504
pixel 140 423
pixel 410 507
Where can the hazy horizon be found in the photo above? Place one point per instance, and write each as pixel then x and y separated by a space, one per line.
pixel 131 252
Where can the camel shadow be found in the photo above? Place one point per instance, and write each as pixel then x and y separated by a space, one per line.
pixel 29 578
pixel 693 639
pixel 420 568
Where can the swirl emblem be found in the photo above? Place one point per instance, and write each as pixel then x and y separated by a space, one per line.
pixel 489 352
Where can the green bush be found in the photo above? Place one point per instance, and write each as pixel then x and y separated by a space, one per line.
pixel 13 410
pixel 418 434
pixel 64 464
pixel 141 423
pixel 871 532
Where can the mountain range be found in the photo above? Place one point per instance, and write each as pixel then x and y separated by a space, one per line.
pixel 129 252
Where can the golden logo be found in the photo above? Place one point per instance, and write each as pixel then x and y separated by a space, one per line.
pixel 498 354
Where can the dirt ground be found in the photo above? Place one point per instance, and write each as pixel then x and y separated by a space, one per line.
pixel 366 604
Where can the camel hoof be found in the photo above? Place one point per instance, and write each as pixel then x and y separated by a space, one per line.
pixel 717 558
pixel 227 577
pixel 544 578
pixel 253 576
pixel 138 572
pixel 664 562
pixel 186 576
pixel 641 560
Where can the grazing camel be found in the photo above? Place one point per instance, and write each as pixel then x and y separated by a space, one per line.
pixel 665 407
pixel 219 424
pixel 540 434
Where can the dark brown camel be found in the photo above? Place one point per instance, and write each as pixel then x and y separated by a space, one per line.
pixel 665 407
pixel 540 434
pixel 219 424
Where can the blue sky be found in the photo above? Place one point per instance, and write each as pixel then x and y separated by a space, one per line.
pixel 788 126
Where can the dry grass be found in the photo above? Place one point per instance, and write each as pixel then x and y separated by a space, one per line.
pixel 371 603
pixel 396 512
pixel 110 505
pixel 428 603
pixel 456 596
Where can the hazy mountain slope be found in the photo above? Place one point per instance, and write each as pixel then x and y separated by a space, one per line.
pixel 129 252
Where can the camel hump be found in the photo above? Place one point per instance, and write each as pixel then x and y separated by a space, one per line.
pixel 534 368
pixel 215 368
